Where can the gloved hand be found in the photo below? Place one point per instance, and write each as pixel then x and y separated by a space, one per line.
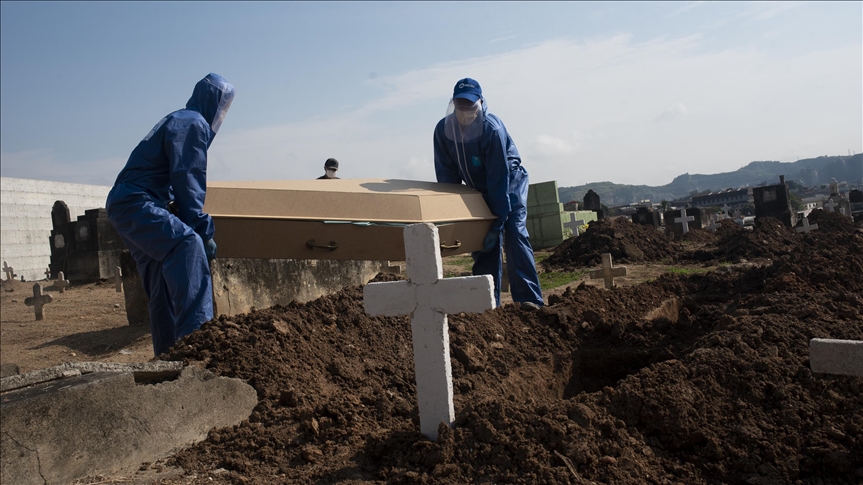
pixel 210 249
pixel 490 240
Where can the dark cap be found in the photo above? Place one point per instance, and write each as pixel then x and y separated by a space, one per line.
pixel 468 89
pixel 331 163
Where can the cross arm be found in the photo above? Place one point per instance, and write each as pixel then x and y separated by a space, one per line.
pixel 472 294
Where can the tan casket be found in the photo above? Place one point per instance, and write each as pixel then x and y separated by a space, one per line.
pixel 359 219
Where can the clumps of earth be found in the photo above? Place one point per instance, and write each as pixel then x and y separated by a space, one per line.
pixel 688 379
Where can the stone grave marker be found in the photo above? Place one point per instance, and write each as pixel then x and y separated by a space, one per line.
pixel 806 227
pixel 713 226
pixel 775 201
pixel 428 297
pixel 833 356
pixel 726 211
pixel 684 220
pixel 118 280
pixel 10 271
pixel 830 205
pixel 61 282
pixel 608 273
pixel 573 224
pixel 592 203
pixel 38 300
pixel 47 274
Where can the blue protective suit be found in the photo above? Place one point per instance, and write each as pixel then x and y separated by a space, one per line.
pixel 491 164
pixel 170 163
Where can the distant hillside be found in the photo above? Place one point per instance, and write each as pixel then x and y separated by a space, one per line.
pixel 808 172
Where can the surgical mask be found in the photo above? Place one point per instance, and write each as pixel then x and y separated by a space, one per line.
pixel 331 173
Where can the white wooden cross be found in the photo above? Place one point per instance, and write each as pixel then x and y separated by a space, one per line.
pixel 47 274
pixel 38 300
pixel 118 281
pixel 806 227
pixel 427 297
pixel 61 282
pixel 684 220
pixel 10 271
pixel 608 273
pixel 830 204
pixel 573 224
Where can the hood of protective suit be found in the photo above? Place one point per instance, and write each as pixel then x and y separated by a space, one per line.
pixel 212 97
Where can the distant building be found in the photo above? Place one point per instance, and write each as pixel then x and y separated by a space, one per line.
pixel 731 197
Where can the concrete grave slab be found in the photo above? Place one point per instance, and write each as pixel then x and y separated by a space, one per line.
pixel 843 357
pixel 105 423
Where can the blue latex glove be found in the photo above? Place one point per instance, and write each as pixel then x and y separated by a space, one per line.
pixel 490 240
pixel 210 249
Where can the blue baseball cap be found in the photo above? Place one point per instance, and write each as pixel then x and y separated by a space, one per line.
pixel 468 89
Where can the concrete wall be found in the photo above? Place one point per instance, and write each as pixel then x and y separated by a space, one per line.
pixel 25 219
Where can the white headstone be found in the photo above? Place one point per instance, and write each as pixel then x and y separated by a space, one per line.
pixel 608 273
pixel 683 219
pixel 427 297
pixel 830 204
pixel 806 227
pixel 61 282
pixel 10 271
pixel 573 224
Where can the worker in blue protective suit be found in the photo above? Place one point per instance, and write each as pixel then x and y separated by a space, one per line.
pixel 156 205
pixel 472 146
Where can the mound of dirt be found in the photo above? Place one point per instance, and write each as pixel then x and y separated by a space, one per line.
pixel 700 379
pixel 627 242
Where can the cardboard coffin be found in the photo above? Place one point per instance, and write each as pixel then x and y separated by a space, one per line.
pixel 360 219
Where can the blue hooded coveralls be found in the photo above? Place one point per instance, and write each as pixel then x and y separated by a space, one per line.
pixel 493 168
pixel 170 163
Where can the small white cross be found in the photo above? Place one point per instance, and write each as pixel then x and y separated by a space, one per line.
pixel 38 300
pixel 573 224
pixel 806 226
pixel 10 272
pixel 427 297
pixel 830 204
pixel 61 282
pixel 726 209
pixel 118 281
pixel 608 273
pixel 684 220
pixel 47 274
pixel 713 227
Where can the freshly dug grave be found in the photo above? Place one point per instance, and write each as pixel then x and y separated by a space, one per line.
pixel 700 379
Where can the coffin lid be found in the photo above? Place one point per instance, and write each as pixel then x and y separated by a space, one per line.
pixel 367 200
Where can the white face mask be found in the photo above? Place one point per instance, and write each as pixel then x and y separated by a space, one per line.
pixel 331 173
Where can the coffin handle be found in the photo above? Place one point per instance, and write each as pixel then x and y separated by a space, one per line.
pixel 311 245
pixel 455 246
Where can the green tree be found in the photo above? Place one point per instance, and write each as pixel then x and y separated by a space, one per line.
pixel 796 201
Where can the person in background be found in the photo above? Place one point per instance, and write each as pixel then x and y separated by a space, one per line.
pixel 156 205
pixel 331 166
pixel 472 146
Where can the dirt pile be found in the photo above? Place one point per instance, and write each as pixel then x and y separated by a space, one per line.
pixel 627 242
pixel 700 379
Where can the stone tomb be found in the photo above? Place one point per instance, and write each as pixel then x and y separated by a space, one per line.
pixel 355 219
pixel 774 201
pixel 855 201
pixel 86 250
pixel 591 203
pixel 646 216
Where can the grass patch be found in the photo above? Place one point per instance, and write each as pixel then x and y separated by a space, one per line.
pixel 464 262
pixel 538 258
pixel 548 281
pixel 687 270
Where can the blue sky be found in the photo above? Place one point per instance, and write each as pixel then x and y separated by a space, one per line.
pixel 628 92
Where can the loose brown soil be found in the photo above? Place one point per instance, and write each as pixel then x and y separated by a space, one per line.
pixel 696 378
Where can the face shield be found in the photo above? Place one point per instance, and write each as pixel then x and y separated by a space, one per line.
pixel 464 120
pixel 225 101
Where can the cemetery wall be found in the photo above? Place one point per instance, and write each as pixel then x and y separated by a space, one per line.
pixel 25 219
